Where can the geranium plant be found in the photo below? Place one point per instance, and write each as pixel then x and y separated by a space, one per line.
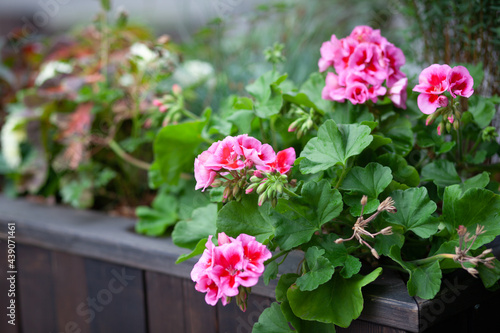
pixel 373 183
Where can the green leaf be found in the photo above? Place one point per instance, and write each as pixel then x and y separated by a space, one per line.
pixel 267 94
pixel 243 120
pixel 401 171
pixel 470 208
pixel 271 272
pixel 246 217
pixel 441 172
pixel 312 88
pixel 296 220
pixel 320 270
pixel 384 243
pixel 478 181
pixel 154 221
pixel 305 326
pixel 175 148
pixel 334 145
pixel 370 180
pixel 187 233
pixel 483 111
pixel 354 201
pixel 400 131
pixel 272 320
pixel 199 248
pixel 352 265
pixel 425 280
pixel 338 301
pixel 348 113
pixel 285 281
pixel 489 276
pixel 414 209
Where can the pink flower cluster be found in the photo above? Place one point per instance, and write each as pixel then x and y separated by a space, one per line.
pixel 237 153
pixel 435 80
pixel 363 61
pixel 222 269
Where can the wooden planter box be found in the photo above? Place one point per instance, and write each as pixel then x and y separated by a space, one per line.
pixel 83 271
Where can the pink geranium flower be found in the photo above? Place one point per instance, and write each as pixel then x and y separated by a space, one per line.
pixel 433 80
pixel 398 94
pixel 204 175
pixel 227 154
pixel 460 82
pixel 368 57
pixel 224 268
pixel 333 90
pixel 254 151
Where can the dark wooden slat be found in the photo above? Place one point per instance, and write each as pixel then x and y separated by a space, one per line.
pixel 199 316
pixel 70 291
pixel 165 303
pixel 116 301
pixel 386 302
pixel 4 291
pixel 233 320
pixel 36 292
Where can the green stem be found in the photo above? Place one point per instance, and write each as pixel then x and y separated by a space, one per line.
pixel 433 258
pixel 276 256
pixel 290 193
pixel 115 147
pixel 342 176
pixel 189 114
pixel 476 144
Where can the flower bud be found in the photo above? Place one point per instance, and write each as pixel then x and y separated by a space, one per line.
pixel 375 253
pixel 442 101
pixel 236 189
pixel 448 127
pixel 386 231
pixel 456 125
pixel 176 89
pixel 364 200
pixel 255 179
pixel 262 187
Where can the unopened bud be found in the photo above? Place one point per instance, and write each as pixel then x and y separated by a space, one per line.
pixel 451 119
pixel 472 271
pixel 262 198
pixel 255 179
pixel 456 125
pixel 279 188
pixel 227 192
pixel 440 128
pixel 442 101
pixel 249 190
pixel 262 187
pixel 386 231
pixel 461 230
pixel 339 241
pixel 176 89
pixel 375 253
pixel 236 189
pixel 364 200
pixel 487 251
pixel 216 183
pixel 274 202
pixel 448 127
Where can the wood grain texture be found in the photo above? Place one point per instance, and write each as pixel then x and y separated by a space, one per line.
pixel 36 292
pixel 165 303
pixel 70 291
pixel 4 297
pixel 232 320
pixel 199 316
pixel 116 301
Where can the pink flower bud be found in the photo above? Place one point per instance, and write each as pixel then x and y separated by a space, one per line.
pixel 442 101
pixel 176 89
pixel 157 102
pixel 439 129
